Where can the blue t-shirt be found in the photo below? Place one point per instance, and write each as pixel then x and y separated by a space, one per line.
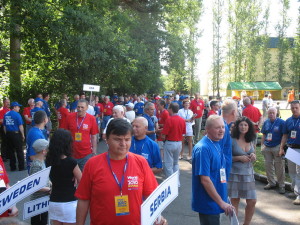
pixel 33 134
pixel 139 108
pixel 46 108
pixel 207 162
pixel 292 124
pixel 225 144
pixel 73 105
pixel 148 149
pixel 32 112
pixel 150 127
pixel 276 128
pixel 12 120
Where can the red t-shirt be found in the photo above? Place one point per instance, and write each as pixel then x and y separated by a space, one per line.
pixel 88 127
pixel 174 128
pixel 162 118
pixel 4 177
pixel 197 106
pixel 99 186
pixel 211 112
pixel 2 113
pixel 253 114
pixel 26 112
pixel 107 108
pixel 100 107
pixel 62 114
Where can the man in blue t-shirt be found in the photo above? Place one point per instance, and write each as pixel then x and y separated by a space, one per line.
pixel 209 182
pixel 36 132
pixel 148 114
pixel 272 131
pixel 142 145
pixel 139 107
pixel 73 105
pixel 291 137
pixel 38 107
pixel 14 130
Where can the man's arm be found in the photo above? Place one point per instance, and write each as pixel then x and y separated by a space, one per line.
pixel 212 192
pixel 26 117
pixel 262 140
pixel 21 128
pixel 156 170
pixel 81 211
pixel 283 141
pixel 4 129
pixel 260 122
pixel 94 143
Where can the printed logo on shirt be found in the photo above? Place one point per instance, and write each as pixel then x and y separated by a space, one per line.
pixel 9 121
pixel 276 128
pixel 1 171
pixel 145 155
pixel 85 126
pixel 133 182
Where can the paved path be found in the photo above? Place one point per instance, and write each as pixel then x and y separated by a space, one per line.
pixel 271 208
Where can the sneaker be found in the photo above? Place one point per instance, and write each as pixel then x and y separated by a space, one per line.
pixel 180 157
pixel 291 195
pixel 269 187
pixel 281 190
pixel 297 201
pixel 189 158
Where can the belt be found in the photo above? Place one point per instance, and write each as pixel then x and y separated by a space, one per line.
pixel 14 132
pixel 293 146
pixel 107 115
pixel 173 141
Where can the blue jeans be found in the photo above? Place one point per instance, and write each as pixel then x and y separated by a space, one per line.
pixel 206 219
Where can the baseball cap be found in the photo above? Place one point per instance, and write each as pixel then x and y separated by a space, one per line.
pixel 38 100
pixel 235 97
pixel 130 105
pixel 40 145
pixel 13 104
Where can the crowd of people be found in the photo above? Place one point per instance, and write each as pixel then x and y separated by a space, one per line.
pixel 145 137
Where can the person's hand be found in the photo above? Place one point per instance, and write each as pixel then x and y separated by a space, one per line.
pixel 227 208
pixel 13 212
pixel 163 221
pixel 244 158
pixel 252 157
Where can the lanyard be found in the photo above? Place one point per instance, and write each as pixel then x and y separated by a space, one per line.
pixel 272 125
pixel 141 148
pixel 120 184
pixel 222 157
pixel 294 125
pixel 186 113
pixel 78 126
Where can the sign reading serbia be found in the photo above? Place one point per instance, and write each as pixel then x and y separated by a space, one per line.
pixel 24 188
pixel 160 198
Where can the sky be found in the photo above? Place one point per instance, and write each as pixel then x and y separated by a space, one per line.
pixel 205 42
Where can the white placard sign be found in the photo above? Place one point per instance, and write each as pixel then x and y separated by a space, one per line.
pixel 23 188
pixel 160 198
pixel 293 155
pixel 169 92
pixel 35 207
pixel 92 88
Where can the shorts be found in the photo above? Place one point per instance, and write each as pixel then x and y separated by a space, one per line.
pixel 64 212
pixel 189 131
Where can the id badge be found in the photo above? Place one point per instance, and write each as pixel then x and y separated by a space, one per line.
pixel 104 110
pixel 122 205
pixel 198 107
pixel 293 134
pixel 269 137
pixel 78 136
pixel 223 175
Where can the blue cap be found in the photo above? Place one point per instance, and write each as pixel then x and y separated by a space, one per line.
pixel 115 96
pixel 183 97
pixel 38 100
pixel 13 104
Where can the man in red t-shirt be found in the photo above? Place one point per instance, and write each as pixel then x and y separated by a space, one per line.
pixel 172 132
pixel 214 107
pixel 84 131
pixel 107 112
pixel 162 116
pixel 115 183
pixel 197 106
pixel 27 115
pixel 253 114
pixel 62 114
pixel 4 146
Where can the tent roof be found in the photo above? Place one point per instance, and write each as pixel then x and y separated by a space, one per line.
pixel 269 85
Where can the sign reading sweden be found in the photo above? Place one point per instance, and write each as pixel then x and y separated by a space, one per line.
pixel 24 188
pixel 160 198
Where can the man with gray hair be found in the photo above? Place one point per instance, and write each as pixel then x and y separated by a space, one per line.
pixel 148 114
pixel 254 115
pixel 142 145
pixel 272 131
pixel 27 116
pixel 84 130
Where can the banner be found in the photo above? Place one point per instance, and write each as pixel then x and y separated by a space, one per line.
pixel 23 188
pixel 169 92
pixel 160 198
pixel 35 207
pixel 93 88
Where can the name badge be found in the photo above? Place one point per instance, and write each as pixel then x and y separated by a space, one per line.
pixel 122 205
pixel 293 134
pixel 223 175
pixel 198 107
pixel 269 137
pixel 104 110
pixel 78 136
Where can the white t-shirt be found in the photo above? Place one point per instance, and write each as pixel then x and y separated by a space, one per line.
pixel 104 132
pixel 186 115
pixel 130 115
